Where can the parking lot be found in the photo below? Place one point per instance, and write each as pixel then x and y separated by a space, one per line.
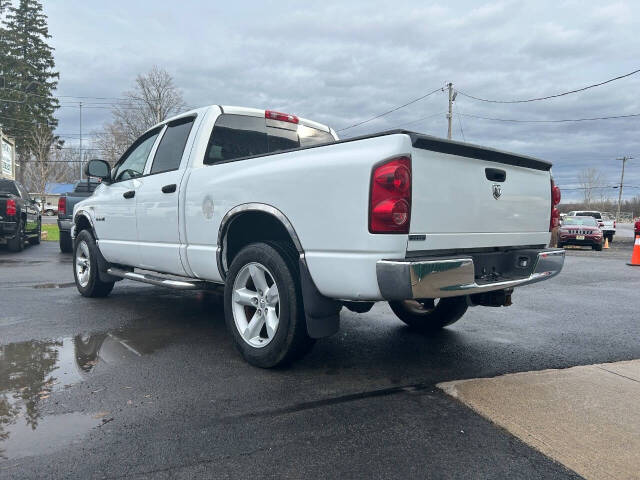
pixel 147 382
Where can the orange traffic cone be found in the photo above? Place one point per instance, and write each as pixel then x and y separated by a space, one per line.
pixel 635 256
pixel 606 242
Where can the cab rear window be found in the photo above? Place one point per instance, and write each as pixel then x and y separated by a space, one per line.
pixel 238 136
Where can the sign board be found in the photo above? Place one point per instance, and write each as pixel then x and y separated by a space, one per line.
pixel 7 159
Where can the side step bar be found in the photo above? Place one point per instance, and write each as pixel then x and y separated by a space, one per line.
pixel 186 284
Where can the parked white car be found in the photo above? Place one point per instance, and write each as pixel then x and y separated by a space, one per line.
pixel 297 225
pixel 606 223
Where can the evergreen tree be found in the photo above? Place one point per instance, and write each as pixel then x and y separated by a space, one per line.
pixel 28 79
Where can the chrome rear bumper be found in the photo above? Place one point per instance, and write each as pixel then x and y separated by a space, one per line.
pixel 452 277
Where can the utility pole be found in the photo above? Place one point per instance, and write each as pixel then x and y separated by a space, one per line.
pixel 624 160
pixel 450 114
pixel 80 140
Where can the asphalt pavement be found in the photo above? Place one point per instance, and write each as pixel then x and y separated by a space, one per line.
pixel 146 383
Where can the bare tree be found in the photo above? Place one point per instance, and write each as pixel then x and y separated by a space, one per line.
pixel 48 162
pixel 591 180
pixel 154 98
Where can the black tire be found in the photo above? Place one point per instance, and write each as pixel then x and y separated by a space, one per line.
pixel 597 248
pixel 421 317
pixel 49 213
pixel 16 244
pixel 290 340
pixel 66 245
pixel 93 286
pixel 560 245
pixel 36 239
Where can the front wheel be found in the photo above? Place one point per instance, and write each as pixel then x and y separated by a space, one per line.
pixel 430 315
pixel 263 306
pixel 49 213
pixel 597 248
pixel 35 240
pixel 85 267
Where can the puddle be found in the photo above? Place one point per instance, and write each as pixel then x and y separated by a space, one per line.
pixel 11 261
pixel 55 285
pixel 33 371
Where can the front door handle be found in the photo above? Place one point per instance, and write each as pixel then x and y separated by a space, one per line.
pixel 169 188
pixel 129 194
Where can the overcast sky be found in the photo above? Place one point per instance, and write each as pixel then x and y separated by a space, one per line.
pixel 343 62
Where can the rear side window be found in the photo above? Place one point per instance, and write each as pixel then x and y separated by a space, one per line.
pixel 169 151
pixel 237 136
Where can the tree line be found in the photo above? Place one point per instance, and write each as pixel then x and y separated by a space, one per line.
pixel 28 102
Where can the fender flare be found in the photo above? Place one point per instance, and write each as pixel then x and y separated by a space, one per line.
pixel 103 265
pixel 322 313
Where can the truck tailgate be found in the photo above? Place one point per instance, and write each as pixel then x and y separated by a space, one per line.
pixel 461 201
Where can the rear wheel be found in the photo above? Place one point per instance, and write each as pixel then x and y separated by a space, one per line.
pixel 430 315
pixel 85 267
pixel 16 244
pixel 49 213
pixel 263 306
pixel 66 245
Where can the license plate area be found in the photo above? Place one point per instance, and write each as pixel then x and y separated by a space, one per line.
pixel 579 237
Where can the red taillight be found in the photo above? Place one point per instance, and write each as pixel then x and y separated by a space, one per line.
pixel 11 207
pixel 62 206
pixel 556 196
pixel 614 224
pixel 390 200
pixel 283 117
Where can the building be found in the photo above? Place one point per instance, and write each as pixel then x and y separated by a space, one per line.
pixel 8 158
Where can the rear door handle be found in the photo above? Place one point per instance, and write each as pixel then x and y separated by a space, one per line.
pixel 169 188
pixel 129 194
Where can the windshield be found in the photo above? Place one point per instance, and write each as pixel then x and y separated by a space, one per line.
pixel 8 186
pixel 589 214
pixel 586 221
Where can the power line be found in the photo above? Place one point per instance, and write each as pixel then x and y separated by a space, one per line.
pixel 390 111
pixel 551 96
pixel 565 120
pixel 418 120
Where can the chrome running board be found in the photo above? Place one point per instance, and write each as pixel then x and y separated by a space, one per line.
pixel 186 284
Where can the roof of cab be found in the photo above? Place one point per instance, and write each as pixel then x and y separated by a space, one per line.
pixel 251 112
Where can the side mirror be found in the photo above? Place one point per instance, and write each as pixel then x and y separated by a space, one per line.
pixel 99 169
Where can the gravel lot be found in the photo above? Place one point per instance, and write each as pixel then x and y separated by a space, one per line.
pixel 147 382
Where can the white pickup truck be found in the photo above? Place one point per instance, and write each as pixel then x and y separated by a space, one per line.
pixel 297 224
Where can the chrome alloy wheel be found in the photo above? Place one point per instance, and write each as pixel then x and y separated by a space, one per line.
pixel 83 264
pixel 256 305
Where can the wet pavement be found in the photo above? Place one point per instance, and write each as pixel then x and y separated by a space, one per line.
pixel 147 383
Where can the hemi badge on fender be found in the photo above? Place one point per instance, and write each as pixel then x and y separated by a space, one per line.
pixel 417 238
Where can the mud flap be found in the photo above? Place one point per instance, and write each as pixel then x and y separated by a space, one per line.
pixel 322 313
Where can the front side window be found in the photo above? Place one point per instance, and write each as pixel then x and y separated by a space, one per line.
pixel 169 152
pixel 132 163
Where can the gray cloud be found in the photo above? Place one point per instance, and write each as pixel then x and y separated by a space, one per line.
pixel 342 62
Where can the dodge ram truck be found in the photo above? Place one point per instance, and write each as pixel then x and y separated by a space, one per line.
pixel 20 218
pixel 295 224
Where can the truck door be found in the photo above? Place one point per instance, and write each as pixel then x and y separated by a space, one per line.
pixel 115 207
pixel 158 200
